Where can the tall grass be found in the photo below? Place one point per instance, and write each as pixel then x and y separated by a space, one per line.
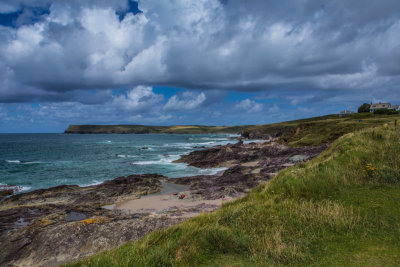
pixel 332 211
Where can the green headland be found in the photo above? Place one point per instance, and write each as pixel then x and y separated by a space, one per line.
pixel 143 129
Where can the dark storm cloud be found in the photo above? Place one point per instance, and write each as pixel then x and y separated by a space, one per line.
pixel 59 48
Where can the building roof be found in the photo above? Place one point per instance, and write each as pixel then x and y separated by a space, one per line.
pixel 380 105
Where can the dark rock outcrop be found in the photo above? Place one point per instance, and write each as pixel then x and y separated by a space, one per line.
pixel 268 154
pixel 48 235
pixel 111 191
pixel 234 182
pixel 8 190
pixel 249 164
pixel 63 223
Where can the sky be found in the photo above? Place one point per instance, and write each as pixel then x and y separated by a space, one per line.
pixel 203 62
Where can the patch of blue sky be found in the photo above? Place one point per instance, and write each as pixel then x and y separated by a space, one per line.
pixel 24 16
pixel 167 91
pixel 133 7
pixel 9 19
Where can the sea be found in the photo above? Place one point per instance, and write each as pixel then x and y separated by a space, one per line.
pixel 34 161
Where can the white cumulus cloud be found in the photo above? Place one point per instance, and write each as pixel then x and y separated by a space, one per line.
pixel 208 44
pixel 140 98
pixel 249 105
pixel 187 101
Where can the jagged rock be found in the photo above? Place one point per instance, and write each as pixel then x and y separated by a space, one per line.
pixel 249 164
pixel 63 223
pixel 8 190
pixel 47 235
pixel 110 191
pixel 239 153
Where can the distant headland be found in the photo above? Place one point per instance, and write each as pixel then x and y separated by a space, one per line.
pixel 143 129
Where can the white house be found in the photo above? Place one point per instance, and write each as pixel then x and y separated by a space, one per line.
pixel 380 105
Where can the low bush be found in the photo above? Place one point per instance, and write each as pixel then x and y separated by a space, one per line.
pixel 386 111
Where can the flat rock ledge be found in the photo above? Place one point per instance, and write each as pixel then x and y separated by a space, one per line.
pixel 51 226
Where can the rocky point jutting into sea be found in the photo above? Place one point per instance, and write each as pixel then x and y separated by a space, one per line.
pixel 50 226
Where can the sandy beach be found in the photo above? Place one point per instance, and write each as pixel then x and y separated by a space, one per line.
pixel 167 202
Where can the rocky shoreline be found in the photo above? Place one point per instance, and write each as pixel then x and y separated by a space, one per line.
pixel 51 226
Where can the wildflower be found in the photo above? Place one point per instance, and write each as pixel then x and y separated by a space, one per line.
pixel 369 169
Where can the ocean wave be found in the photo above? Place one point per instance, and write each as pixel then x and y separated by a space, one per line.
pixel 13 161
pixel 253 141
pixel 104 142
pixel 16 161
pixel 95 182
pixel 16 188
pixel 207 138
pixel 189 145
pixel 125 156
pixel 168 159
pixel 215 139
pixel 25 188
pixel 212 171
pixel 178 144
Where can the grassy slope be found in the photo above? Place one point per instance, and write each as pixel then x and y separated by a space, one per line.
pixel 325 129
pixel 328 212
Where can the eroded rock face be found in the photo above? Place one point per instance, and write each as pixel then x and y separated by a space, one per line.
pixel 266 153
pixel 48 235
pixel 110 191
pixel 234 182
pixel 63 223
pixel 249 164
pixel 8 190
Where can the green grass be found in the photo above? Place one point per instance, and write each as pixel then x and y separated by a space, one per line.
pixel 319 130
pixel 332 211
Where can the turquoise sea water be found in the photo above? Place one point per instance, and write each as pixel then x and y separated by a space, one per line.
pixel 36 161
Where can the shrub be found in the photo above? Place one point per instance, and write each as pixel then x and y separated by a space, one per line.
pixel 364 108
pixel 386 111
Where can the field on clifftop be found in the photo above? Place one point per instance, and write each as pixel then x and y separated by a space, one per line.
pixel 340 209
pixel 318 130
